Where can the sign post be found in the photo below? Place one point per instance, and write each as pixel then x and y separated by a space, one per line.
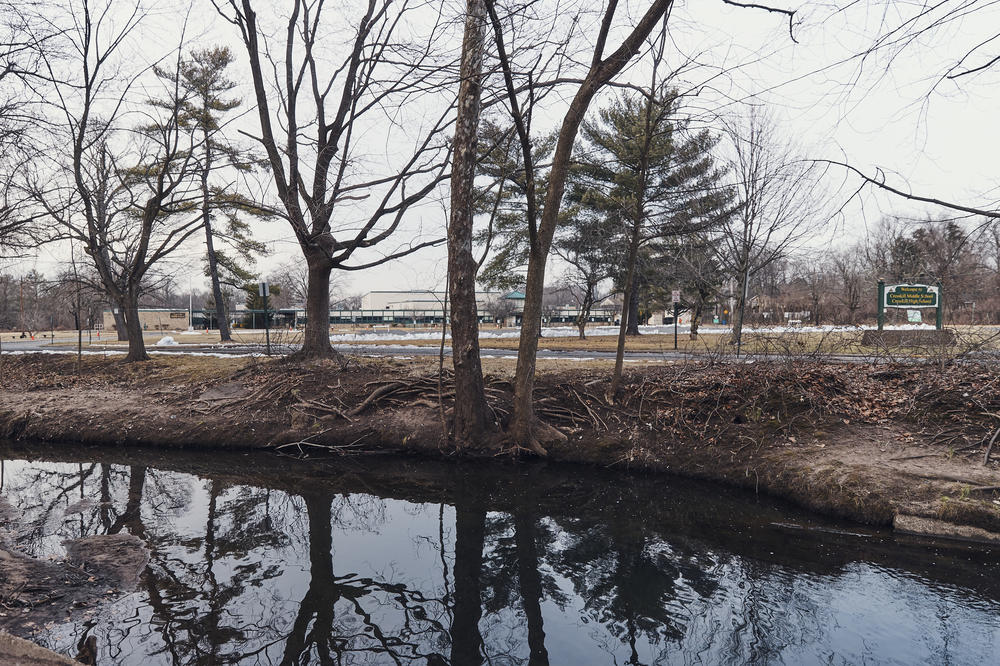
pixel 910 296
pixel 881 305
pixel 676 298
pixel 939 319
pixel 265 291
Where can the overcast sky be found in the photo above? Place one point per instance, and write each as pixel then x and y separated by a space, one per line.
pixel 890 110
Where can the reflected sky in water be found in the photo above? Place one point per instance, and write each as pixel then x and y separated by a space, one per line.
pixel 264 560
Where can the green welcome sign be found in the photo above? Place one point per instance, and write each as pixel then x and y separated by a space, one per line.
pixel 910 296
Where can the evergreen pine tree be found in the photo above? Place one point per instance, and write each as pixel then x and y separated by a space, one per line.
pixel 230 246
pixel 648 174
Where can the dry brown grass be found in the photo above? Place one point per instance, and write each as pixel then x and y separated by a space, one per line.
pixel 787 343
pixel 24 372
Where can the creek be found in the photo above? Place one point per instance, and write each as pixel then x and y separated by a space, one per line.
pixel 260 559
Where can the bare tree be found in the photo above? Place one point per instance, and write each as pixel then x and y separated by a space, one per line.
pixel 852 277
pixel 896 34
pixel 499 307
pixel 23 36
pixel 690 263
pixel 586 245
pixel 313 111
pixel 778 204
pixel 526 429
pixel 127 194
pixel 993 252
pixel 816 276
pixel 293 276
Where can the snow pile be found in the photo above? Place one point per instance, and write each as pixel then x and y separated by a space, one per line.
pixel 166 341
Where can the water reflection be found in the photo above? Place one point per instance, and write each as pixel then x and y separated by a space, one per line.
pixel 269 561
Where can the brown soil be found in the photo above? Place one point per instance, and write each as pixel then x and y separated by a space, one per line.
pixel 861 442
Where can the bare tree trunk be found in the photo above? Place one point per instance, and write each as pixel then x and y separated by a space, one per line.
pixel 131 516
pixel 213 264
pixel 220 305
pixel 471 411
pixel 525 428
pixel 633 310
pixel 696 313
pixel 316 337
pixel 633 253
pixel 216 603
pixel 741 306
pixel 136 345
pixel 524 423
pixel 588 303
pixel 313 624
pixel 120 327
pixel 737 318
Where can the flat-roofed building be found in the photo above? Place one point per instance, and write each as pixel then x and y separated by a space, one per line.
pixel 153 319
pixel 425 300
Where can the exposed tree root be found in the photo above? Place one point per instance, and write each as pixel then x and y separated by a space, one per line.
pixel 329 354
pixel 533 438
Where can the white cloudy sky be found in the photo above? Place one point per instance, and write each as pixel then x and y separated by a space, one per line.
pixel 890 110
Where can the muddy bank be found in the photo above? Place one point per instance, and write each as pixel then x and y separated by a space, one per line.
pixel 868 444
pixel 19 652
pixel 36 594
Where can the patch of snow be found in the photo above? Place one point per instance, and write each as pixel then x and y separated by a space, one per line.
pixel 117 352
pixel 212 354
pixel 571 332
pixel 22 352
pixel 165 341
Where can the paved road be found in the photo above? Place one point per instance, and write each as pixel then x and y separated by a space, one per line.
pixel 23 345
pixel 410 351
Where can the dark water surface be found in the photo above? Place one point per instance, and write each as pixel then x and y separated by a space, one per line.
pixel 264 560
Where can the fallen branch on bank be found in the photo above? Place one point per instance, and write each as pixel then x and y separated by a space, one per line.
pixel 341 449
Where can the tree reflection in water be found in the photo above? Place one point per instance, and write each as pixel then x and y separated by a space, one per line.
pixel 438 564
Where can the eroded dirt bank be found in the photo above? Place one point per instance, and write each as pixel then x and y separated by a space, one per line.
pixel 874 444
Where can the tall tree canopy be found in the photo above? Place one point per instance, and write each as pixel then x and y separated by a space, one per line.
pixel 230 247
pixel 652 177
